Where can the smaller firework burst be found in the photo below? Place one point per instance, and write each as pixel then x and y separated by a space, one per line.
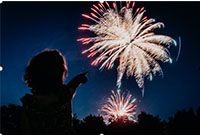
pixel 120 107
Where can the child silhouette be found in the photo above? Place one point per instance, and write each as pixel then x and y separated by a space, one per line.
pixel 49 109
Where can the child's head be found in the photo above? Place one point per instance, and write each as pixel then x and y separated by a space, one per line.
pixel 46 70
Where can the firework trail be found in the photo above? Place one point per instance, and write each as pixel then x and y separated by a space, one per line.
pixel 120 107
pixel 127 37
pixel 179 49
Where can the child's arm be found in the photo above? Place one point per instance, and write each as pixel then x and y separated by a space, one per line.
pixel 76 81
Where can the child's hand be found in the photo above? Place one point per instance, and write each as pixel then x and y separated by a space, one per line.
pixel 77 80
pixel 81 78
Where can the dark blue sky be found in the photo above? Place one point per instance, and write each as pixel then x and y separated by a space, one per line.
pixel 28 28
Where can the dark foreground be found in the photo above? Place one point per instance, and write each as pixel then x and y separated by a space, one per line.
pixel 183 122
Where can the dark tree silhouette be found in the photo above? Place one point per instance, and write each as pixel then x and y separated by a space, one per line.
pixel 93 125
pixel 77 127
pixel 198 114
pixel 121 127
pixel 10 119
pixel 184 122
pixel 148 124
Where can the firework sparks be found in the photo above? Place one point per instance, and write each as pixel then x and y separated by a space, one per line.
pixel 119 107
pixel 126 36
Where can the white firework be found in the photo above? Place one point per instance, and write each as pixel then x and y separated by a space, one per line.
pixel 127 37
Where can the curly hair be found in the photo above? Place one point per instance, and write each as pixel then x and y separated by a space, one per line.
pixel 45 71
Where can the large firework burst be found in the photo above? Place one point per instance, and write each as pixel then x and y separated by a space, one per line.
pixel 126 36
pixel 120 107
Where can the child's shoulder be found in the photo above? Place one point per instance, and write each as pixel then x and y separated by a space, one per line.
pixel 28 98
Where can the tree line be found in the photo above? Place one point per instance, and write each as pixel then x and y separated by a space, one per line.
pixel 183 122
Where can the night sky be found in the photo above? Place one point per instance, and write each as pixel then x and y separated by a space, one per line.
pixel 28 28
